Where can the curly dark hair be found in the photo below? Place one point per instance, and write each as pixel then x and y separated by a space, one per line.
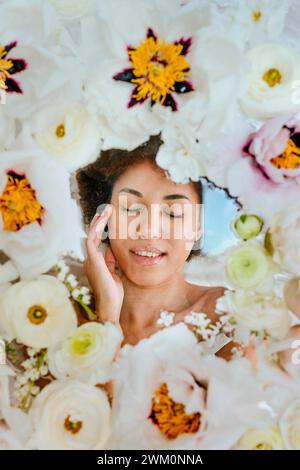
pixel 96 181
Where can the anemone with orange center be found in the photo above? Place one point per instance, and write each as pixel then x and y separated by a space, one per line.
pixel 19 205
pixel 170 417
pixel 158 69
pixel 10 66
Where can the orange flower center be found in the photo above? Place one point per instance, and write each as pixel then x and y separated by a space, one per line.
pixel 18 203
pixel 5 65
pixel 170 417
pixel 37 314
pixel 72 426
pixel 289 159
pixel 157 66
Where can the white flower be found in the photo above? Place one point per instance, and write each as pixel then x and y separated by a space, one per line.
pixel 257 312
pixel 180 156
pixel 38 313
pixel 253 21
pixel 274 75
pixel 166 318
pixel 38 218
pixel 87 354
pixel 71 415
pixel 284 232
pixel 261 439
pixel 67 132
pixel 249 266
pixel 5 373
pixel 188 79
pixel 38 37
pixel 290 426
pixel 71 9
pixel 143 407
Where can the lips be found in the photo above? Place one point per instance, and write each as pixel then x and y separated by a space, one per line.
pixel 147 260
pixel 150 248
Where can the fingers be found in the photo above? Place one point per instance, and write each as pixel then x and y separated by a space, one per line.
pixel 97 226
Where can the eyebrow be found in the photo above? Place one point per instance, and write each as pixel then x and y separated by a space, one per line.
pixel 169 196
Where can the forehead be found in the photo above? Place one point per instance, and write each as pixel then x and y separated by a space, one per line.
pixel 151 180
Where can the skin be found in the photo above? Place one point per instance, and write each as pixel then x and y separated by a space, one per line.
pixel 132 295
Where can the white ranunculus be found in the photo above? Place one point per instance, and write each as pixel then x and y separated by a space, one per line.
pixel 68 133
pixel 249 266
pixel 72 8
pixel 290 426
pixel 257 312
pixel 284 231
pixel 274 74
pixel 38 313
pixel 87 354
pixel 39 221
pixel 70 415
pixel 261 439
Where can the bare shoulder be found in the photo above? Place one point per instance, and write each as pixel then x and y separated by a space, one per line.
pixel 205 299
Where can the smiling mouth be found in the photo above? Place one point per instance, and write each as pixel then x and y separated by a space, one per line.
pixel 147 254
pixel 147 258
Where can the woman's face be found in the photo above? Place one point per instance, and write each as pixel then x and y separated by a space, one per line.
pixel 152 213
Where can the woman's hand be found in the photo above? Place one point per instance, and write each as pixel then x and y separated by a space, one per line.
pixel 104 281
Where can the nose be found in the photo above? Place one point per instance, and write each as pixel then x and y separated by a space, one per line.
pixel 150 223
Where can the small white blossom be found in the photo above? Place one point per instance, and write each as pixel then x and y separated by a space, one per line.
pixel 166 318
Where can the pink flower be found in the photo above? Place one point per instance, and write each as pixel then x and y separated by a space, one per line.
pixel 276 148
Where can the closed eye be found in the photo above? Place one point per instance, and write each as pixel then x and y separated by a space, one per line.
pixel 170 214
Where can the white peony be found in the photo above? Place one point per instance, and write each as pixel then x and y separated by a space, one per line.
pixel 72 8
pixel 144 411
pixel 257 312
pixel 68 133
pixel 284 233
pixel 87 354
pixel 290 426
pixel 38 313
pixel 39 221
pixel 69 415
pixel 155 65
pixel 272 80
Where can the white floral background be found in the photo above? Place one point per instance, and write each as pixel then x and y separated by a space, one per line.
pixel 220 80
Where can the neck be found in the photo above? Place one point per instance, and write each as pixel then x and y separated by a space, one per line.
pixel 142 304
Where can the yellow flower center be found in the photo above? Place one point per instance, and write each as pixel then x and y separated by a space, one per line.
pixel 81 343
pixel 263 446
pixel 157 66
pixel 5 65
pixel 256 15
pixel 72 426
pixel 18 203
pixel 289 159
pixel 272 77
pixel 60 131
pixel 170 416
pixel 37 314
